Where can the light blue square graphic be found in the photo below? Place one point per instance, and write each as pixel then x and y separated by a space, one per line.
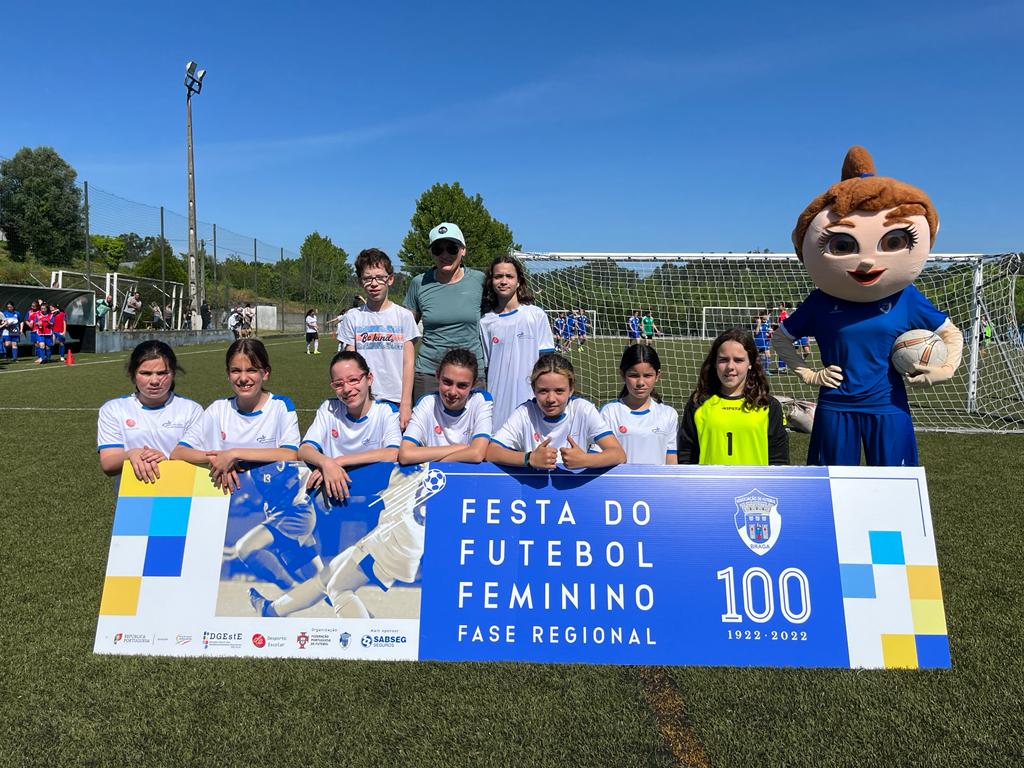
pixel 886 547
pixel 858 580
pixel 132 515
pixel 170 516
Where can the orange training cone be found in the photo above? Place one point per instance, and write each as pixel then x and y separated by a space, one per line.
pixel 69 359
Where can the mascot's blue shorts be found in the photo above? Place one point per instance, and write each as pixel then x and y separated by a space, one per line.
pixel 887 438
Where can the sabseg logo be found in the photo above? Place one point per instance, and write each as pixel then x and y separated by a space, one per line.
pixel 383 641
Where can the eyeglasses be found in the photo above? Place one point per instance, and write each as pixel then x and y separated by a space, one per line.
pixel 438 248
pixel 375 280
pixel 350 382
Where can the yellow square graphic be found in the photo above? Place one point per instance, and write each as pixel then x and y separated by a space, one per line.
pixel 177 478
pixel 899 651
pixel 120 595
pixel 923 581
pixel 203 485
pixel 929 617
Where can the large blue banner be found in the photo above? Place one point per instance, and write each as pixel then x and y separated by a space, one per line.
pixel 767 566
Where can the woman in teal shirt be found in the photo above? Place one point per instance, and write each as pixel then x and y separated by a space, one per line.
pixel 447 299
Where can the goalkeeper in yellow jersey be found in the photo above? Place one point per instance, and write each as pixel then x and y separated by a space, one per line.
pixel 731 418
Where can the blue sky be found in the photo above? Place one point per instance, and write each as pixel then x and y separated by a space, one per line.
pixel 650 126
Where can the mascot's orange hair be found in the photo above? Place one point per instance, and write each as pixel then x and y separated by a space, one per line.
pixel 861 190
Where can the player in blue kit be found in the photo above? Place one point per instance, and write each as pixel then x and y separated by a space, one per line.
pixel 633 327
pixel 559 324
pixel 763 341
pixel 581 327
pixel 570 330
pixel 863 242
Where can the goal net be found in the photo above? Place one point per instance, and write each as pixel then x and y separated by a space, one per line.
pixel 694 297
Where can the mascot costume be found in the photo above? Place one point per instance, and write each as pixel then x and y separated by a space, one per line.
pixel 863 242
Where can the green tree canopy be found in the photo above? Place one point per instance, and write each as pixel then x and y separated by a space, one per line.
pixel 486 237
pixel 173 268
pixel 325 272
pixel 41 213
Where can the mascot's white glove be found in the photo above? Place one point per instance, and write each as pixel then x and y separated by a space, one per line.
pixel 830 376
pixel 928 375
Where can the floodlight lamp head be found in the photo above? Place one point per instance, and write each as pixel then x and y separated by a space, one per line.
pixel 200 75
pixel 190 68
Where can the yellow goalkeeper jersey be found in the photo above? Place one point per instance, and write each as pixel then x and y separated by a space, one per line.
pixel 721 431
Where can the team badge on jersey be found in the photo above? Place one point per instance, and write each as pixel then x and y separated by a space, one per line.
pixel 223 435
pixel 622 428
pixel 437 429
pixel 334 432
pixel 129 422
pixel 758 521
pixel 495 339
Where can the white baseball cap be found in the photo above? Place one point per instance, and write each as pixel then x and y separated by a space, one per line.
pixel 447 231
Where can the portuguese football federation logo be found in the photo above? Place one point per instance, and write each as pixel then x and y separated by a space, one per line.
pixel 758 521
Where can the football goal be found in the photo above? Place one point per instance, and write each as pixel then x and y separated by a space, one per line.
pixel 695 296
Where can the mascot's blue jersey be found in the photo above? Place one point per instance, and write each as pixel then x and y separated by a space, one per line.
pixel 858 337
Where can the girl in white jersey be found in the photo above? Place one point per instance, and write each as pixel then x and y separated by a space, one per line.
pixel 644 425
pixel 454 423
pixel 312 333
pixel 554 425
pixel 348 430
pixel 144 427
pixel 513 333
pixel 252 427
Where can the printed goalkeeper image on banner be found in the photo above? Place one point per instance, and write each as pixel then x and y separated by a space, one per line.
pixel 292 552
pixel 730 566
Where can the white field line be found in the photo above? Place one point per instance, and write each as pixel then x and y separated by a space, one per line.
pixel 58 365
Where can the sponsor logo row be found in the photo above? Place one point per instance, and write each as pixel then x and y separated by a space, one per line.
pixel 313 638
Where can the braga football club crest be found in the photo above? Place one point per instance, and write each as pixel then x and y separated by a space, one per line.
pixel 758 521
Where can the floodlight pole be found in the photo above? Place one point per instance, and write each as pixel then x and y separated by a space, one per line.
pixel 193 85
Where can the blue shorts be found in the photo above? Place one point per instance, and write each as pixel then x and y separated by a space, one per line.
pixel 804 341
pixel 14 337
pixel 34 336
pixel 887 438
pixel 58 338
pixel 46 339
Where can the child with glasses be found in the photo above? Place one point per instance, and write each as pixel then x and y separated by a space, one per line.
pixel 348 430
pixel 382 332
pixel 351 428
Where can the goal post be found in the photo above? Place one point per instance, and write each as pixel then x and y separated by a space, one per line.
pixel 695 296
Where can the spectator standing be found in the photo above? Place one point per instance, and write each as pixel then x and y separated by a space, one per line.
pixel 130 313
pixel 158 317
pixel 205 315
pixel 103 307
pixel 447 299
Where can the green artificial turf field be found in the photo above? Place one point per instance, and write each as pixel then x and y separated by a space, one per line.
pixel 62 705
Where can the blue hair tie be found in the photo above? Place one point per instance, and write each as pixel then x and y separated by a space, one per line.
pixel 864 175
